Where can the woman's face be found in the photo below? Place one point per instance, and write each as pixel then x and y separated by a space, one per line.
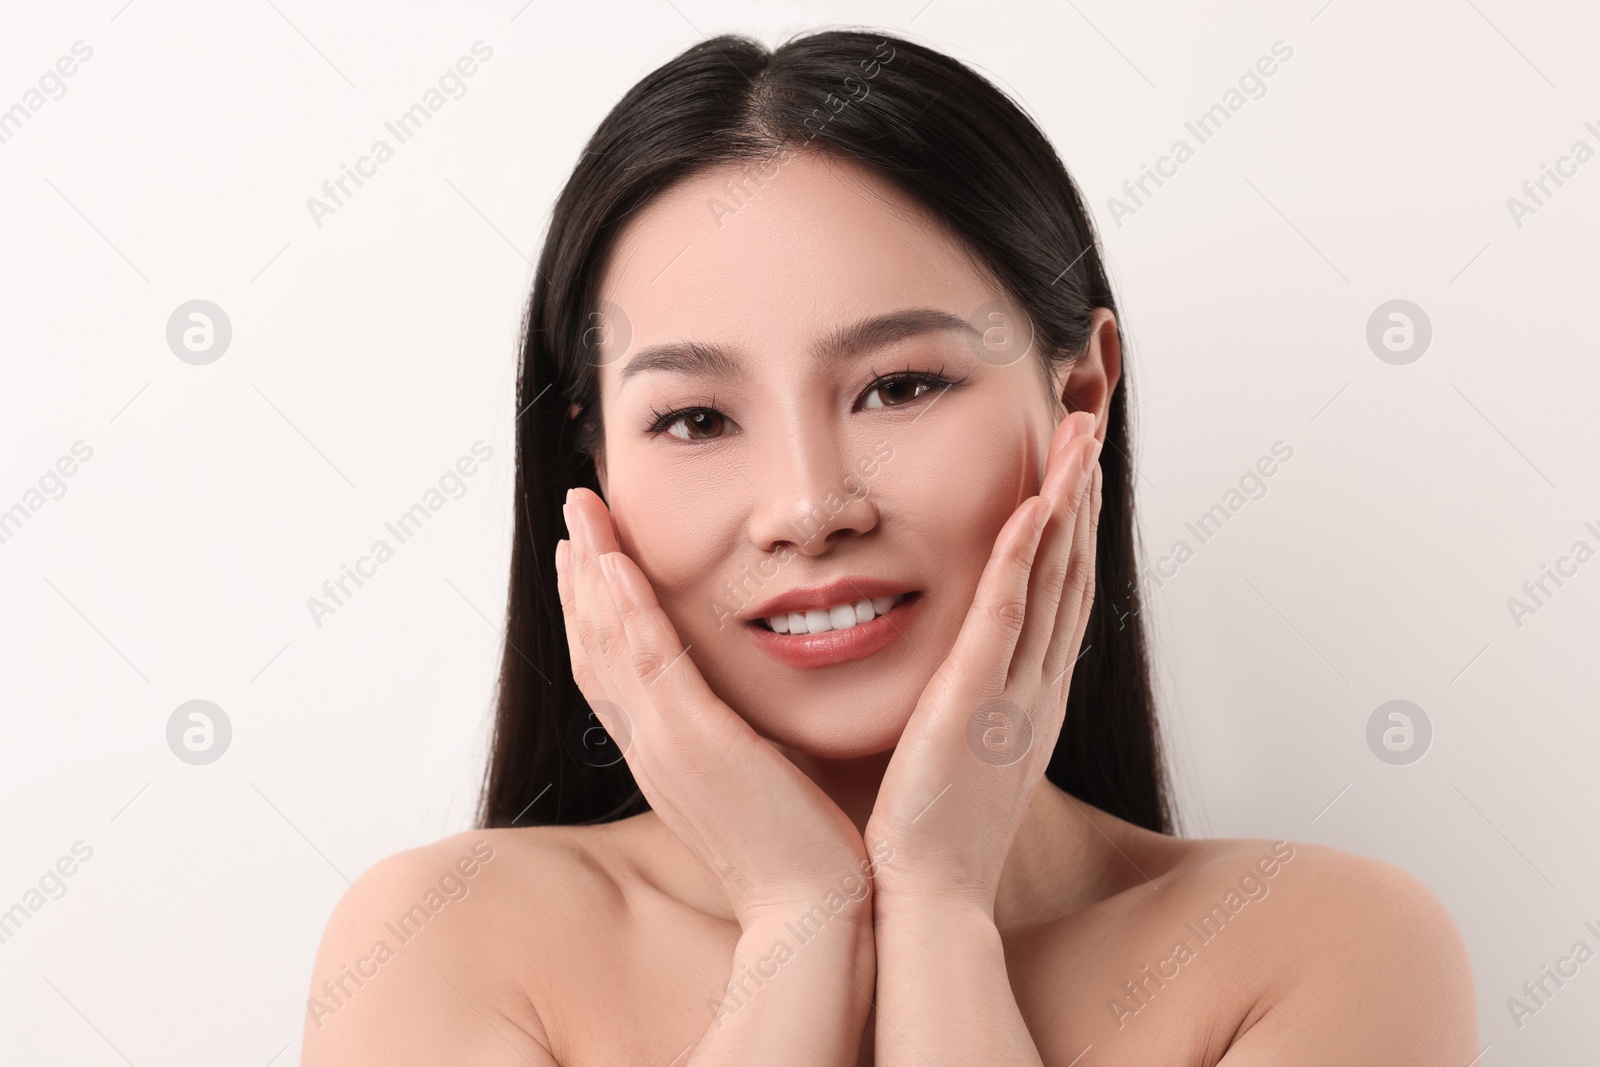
pixel 799 466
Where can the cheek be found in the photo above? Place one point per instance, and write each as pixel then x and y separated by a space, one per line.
pixel 959 512
pixel 681 535
pixel 950 497
pixel 961 484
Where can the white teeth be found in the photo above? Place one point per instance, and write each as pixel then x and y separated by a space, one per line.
pixel 840 617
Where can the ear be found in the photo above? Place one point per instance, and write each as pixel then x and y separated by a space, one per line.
pixel 599 458
pixel 1091 381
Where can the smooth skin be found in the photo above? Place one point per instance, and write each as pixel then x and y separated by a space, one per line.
pixel 831 874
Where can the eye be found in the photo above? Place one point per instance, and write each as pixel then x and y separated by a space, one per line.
pixel 700 423
pixel 704 422
pixel 903 387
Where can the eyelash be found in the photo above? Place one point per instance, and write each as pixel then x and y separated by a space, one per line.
pixel 933 379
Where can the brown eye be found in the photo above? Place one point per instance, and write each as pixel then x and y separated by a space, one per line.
pixel 700 424
pixel 901 389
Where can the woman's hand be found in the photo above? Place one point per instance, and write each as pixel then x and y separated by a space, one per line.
pixel 776 841
pixel 977 745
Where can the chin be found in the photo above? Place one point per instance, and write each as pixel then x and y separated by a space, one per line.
pixel 822 734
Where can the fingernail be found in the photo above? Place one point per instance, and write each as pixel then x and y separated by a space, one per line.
pixel 1041 513
pixel 569 495
pixel 1091 454
pixel 607 567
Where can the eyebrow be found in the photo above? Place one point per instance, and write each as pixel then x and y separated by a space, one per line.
pixel 715 361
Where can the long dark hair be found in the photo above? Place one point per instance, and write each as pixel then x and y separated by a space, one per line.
pixel 962 148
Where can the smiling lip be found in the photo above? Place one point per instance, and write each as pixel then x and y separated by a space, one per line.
pixel 845 590
pixel 836 646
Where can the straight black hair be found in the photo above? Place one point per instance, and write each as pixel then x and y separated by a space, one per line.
pixel 973 158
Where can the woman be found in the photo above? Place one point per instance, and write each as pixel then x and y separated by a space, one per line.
pixel 820 361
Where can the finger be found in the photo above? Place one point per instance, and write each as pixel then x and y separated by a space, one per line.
pixel 597 688
pixel 593 534
pixel 647 645
pixel 1067 483
pixel 647 668
pixel 588 515
pixel 1072 621
pixel 1076 424
pixel 660 672
pixel 587 683
pixel 983 648
pixel 686 733
pixel 597 627
pixel 683 736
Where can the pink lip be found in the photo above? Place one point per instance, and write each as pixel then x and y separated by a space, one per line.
pixel 837 646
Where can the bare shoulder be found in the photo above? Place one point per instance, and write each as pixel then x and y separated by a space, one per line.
pixel 435 954
pixel 1333 956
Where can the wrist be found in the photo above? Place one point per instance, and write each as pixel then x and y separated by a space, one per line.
pixel 937 911
pixel 830 917
pixel 845 935
pixel 961 934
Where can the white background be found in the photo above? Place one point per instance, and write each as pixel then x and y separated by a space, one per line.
pixel 372 351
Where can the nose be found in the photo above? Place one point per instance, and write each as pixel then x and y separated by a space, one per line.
pixel 813 488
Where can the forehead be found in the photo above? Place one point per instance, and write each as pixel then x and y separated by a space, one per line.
pixel 770 257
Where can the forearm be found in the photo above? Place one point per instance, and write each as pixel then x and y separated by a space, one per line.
pixel 943 994
pixel 798 993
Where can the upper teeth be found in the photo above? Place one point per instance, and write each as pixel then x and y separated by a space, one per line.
pixel 839 617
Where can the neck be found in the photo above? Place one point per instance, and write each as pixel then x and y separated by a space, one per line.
pixel 852 784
